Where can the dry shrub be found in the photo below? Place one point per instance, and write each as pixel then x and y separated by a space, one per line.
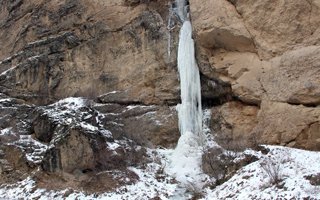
pixel 221 164
pixel 273 169
pixel 195 191
pixel 314 179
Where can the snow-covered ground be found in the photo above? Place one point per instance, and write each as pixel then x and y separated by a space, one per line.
pixel 159 179
pixel 253 182
pixel 250 182
pixel 152 183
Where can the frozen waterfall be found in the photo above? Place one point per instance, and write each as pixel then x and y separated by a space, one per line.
pixel 186 159
pixel 190 110
pixel 181 10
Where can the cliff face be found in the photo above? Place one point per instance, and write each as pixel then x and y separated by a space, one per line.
pixel 113 52
pixel 258 60
pixel 87 48
pixel 118 52
pixel 269 52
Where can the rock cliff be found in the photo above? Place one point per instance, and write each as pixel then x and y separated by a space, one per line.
pixel 269 52
pixel 260 77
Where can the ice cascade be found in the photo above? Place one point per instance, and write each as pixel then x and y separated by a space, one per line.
pixel 190 110
pixel 186 160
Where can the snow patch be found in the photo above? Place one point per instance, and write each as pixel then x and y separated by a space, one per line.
pixel 6 131
pixel 71 103
pixel 38 148
pixel 88 127
pixel 252 181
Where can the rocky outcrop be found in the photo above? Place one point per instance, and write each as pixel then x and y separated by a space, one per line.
pixel 294 126
pixel 222 166
pixel 16 117
pixel 78 140
pixel 149 126
pixel 269 53
pixel 232 123
pixel 60 46
pixel 76 134
pixel 69 142
pixel 278 27
pixel 223 30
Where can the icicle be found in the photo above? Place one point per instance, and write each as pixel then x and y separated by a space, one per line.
pixel 187 157
pixel 169 27
pixel 181 9
pixel 190 109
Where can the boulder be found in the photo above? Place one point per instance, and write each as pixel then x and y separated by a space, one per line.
pixel 290 125
pixel 218 25
pixel 149 126
pixel 296 79
pixel 75 150
pixel 243 71
pixel 232 124
pixel 292 77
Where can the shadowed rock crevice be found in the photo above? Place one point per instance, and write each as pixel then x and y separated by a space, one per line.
pixel 214 91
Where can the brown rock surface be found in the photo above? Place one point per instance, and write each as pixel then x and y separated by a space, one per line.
pixel 109 45
pixel 13 164
pixel 243 70
pixel 149 126
pixel 233 122
pixel 284 124
pixel 296 79
pixel 279 64
pixel 282 25
pixel 224 29
pixel 292 77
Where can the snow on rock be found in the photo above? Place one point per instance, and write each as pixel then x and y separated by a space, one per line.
pixel 72 103
pixel 73 112
pixel 171 174
pixel 6 131
pixel 253 182
pixel 33 149
pixel 147 187
pixel 139 107
pixel 152 183
pixel 250 182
